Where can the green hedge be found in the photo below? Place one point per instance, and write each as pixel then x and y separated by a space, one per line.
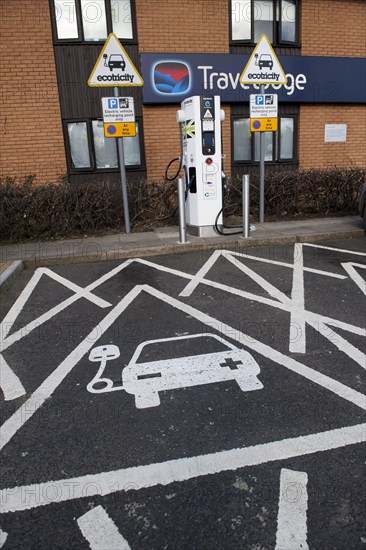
pixel 29 211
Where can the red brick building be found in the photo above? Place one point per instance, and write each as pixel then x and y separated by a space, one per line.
pixel 50 122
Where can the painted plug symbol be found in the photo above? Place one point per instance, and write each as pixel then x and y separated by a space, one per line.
pixel 102 354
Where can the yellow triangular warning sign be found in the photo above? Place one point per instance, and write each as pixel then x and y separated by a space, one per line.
pixel 263 66
pixel 114 66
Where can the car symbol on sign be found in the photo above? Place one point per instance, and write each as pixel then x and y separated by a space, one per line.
pixel 265 60
pixel 146 379
pixel 116 61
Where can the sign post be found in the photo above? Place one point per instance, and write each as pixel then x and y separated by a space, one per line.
pixel 115 68
pixel 263 68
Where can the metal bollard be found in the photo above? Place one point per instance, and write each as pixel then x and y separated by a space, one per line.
pixel 182 214
pixel 245 197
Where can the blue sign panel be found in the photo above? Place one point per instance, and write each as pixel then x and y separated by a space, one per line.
pixel 170 78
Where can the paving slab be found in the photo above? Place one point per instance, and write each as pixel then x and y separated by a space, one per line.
pixel 165 240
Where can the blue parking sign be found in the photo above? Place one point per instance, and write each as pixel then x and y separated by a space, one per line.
pixel 259 99
pixel 112 103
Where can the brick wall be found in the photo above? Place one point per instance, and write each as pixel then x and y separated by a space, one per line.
pixel 172 26
pixel 31 140
pixel 313 152
pixel 333 27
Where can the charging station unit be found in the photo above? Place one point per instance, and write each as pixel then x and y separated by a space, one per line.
pixel 200 118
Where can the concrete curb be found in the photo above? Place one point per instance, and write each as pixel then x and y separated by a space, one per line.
pixel 177 248
pixel 10 273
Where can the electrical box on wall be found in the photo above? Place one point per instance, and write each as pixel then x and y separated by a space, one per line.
pixel 200 118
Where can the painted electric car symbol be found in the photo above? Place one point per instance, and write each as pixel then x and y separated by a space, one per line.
pixel 116 61
pixel 145 380
pixel 265 60
pixel 102 354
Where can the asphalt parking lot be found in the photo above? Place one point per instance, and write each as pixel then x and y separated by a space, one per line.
pixel 212 399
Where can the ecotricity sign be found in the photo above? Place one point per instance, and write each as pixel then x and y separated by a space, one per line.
pixel 169 78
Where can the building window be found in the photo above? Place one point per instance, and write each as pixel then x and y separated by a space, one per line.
pixel 278 19
pixel 92 20
pixel 88 149
pixel 278 146
pixel 79 145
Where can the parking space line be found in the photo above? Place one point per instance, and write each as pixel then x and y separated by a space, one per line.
pixel 83 292
pixel 341 343
pixel 196 279
pixel 335 249
pixel 292 507
pixel 7 323
pixel 256 298
pixel 285 264
pixel 322 380
pixel 9 382
pixel 48 386
pixel 45 390
pixel 263 283
pixel 356 277
pixel 27 497
pixel 17 307
pixel 297 321
pixel 100 531
pixel 3 537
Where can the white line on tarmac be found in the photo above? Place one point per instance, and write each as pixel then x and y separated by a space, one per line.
pixel 7 323
pixel 9 382
pixel 3 537
pixel 292 507
pixel 100 531
pixel 83 292
pixel 11 316
pixel 196 279
pixel 356 277
pixel 335 249
pixel 46 389
pixel 285 264
pixel 297 321
pixel 41 494
pixel 295 366
pixel 261 299
pixel 263 283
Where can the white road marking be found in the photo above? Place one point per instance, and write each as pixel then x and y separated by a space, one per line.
pixel 26 497
pixel 260 299
pixel 9 382
pixel 100 531
pixel 3 537
pixel 356 277
pixel 285 264
pixel 145 379
pixel 335 249
pixel 318 378
pixel 17 307
pixel 297 321
pixel 292 507
pixel 263 283
pixel 341 343
pixel 7 323
pixel 196 279
pixel 318 322
pixel 46 389
pixel 83 292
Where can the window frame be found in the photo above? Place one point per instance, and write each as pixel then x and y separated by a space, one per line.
pixel 79 21
pixel 277 26
pixel 92 155
pixel 276 144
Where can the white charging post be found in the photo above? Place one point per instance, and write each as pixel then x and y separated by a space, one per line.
pixel 200 118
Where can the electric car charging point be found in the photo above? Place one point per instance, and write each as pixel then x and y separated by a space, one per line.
pixel 200 118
